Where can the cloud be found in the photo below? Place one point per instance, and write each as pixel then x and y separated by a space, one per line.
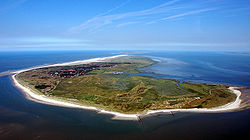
pixel 148 16
pixel 42 41
pixel 151 22
pixel 188 13
pixel 101 20
pixel 125 24
pixel 115 8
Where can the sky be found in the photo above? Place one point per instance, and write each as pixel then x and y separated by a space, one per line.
pixel 125 25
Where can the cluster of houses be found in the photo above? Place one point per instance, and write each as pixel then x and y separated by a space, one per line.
pixel 79 70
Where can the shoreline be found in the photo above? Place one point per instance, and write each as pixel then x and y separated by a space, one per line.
pixel 78 62
pixel 32 95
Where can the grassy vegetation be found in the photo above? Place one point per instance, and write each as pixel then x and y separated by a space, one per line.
pixel 132 63
pixel 131 93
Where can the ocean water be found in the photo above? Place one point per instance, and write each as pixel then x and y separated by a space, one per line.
pixel 19 60
pixel 24 119
pixel 208 67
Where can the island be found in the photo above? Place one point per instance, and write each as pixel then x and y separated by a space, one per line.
pixel 115 85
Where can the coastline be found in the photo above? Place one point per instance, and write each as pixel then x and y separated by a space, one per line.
pixel 78 62
pixel 32 95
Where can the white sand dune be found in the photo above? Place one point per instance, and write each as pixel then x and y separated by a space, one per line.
pixel 32 95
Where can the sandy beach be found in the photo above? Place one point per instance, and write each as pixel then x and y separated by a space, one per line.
pixel 32 95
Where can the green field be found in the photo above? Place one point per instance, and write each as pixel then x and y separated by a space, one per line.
pixel 130 93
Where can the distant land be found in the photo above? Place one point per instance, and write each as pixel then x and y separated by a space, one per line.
pixel 108 85
pixel 240 53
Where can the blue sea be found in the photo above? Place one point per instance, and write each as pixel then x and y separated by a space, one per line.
pixel 24 119
pixel 204 67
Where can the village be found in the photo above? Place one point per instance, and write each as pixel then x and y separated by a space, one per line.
pixel 79 70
